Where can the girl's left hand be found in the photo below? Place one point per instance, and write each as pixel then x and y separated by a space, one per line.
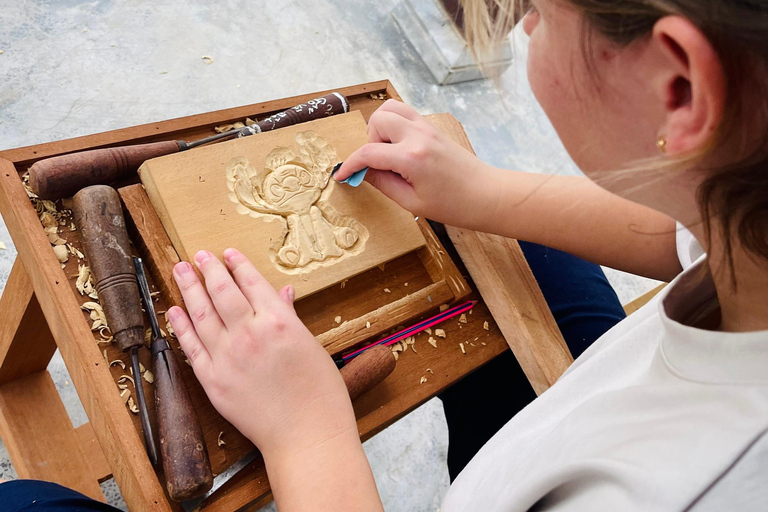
pixel 259 365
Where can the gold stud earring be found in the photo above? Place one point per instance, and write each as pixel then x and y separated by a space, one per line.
pixel 661 143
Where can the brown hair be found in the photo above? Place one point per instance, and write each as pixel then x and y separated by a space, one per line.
pixel 734 195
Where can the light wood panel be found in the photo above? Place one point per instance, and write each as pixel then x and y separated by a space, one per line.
pixel 348 230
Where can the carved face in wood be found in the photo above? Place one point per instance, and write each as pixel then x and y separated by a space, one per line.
pixel 292 186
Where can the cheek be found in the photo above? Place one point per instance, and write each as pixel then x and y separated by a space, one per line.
pixel 551 80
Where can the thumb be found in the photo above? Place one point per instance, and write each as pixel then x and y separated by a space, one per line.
pixel 287 294
pixel 394 187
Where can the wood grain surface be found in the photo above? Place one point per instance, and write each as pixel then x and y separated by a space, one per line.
pixel 191 196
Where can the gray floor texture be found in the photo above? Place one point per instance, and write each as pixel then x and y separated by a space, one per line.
pixel 73 67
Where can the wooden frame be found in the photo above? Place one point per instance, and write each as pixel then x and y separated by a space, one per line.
pixel 110 444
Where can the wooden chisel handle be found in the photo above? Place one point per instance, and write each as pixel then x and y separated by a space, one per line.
pixel 99 219
pixel 367 370
pixel 186 465
pixel 62 176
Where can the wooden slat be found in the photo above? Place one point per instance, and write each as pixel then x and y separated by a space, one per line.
pixel 505 281
pixel 439 265
pixel 39 436
pixel 111 421
pixel 384 318
pixel 98 466
pixel 26 343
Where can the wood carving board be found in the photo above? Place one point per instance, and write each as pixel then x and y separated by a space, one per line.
pixel 270 196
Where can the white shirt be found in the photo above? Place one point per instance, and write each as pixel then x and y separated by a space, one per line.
pixel 654 416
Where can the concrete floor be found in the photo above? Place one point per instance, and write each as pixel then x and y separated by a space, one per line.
pixel 72 67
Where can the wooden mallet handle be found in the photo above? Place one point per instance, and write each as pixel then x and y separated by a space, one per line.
pixel 367 370
pixel 62 176
pixel 100 221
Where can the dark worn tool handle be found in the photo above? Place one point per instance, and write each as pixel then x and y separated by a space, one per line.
pixel 99 219
pixel 367 370
pixel 182 445
pixel 62 176
pixel 324 106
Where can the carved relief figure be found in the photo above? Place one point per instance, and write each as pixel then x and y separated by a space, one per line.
pixel 294 185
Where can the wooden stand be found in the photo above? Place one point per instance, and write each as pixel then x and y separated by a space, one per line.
pixel 40 311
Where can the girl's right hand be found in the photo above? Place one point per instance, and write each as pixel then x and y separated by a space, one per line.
pixel 423 170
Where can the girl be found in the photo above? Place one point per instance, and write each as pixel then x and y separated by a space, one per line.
pixel 662 103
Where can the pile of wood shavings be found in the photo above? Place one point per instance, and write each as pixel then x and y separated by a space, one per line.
pixel 53 220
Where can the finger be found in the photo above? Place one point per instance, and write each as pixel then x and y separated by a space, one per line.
pixel 190 342
pixel 206 320
pixel 398 107
pixel 227 298
pixel 253 285
pixel 395 187
pixel 288 294
pixel 385 126
pixel 374 155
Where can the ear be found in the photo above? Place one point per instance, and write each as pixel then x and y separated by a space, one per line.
pixel 693 85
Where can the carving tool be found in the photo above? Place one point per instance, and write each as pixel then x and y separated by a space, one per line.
pixel 99 219
pixel 410 331
pixel 359 375
pixel 354 179
pixel 61 176
pixel 186 465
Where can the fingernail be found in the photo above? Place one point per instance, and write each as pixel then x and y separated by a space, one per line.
pixel 291 293
pixel 201 257
pixel 182 267
pixel 229 254
pixel 173 314
pixel 336 168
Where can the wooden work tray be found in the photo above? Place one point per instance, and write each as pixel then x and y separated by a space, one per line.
pixel 41 311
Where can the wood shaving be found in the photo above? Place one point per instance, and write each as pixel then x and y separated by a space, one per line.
pixel 148 376
pixel 219 441
pixel 443 307
pixel 73 250
pixel 428 330
pixel 141 368
pixel 423 379
pixel 132 406
pixel 105 338
pixel 387 290
pixel 344 283
pixel 406 284
pixel 2 246
pixel 486 326
pixel 105 356
pixel 61 252
pixel 124 378
pixel 125 395
pixel 429 370
pixel 207 59
pixel 440 333
pixel 397 355
pixel 337 319
pixel 367 325
pixel 381 267
pixel 463 318
pixel 461 345
pixel 432 341
pixel 96 314
pixel 117 362
pixel 410 340
pixel 168 326
pixel 187 361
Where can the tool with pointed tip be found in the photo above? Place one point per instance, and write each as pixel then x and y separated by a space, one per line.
pixel 100 222
pixel 186 465
pixel 63 175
